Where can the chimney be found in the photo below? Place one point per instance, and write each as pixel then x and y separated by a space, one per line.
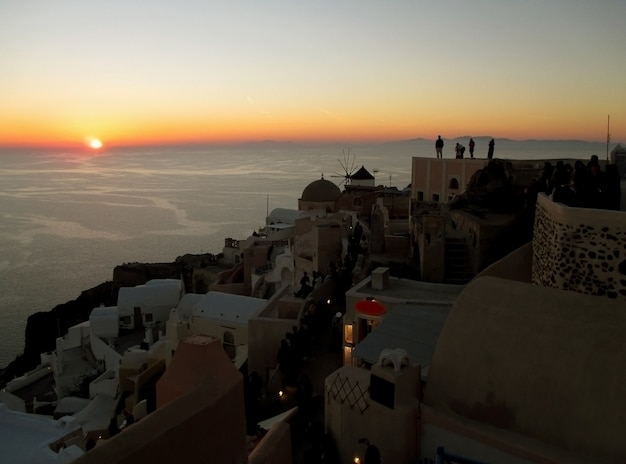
pixel 380 278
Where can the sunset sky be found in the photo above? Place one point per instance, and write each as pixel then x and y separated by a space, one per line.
pixel 164 71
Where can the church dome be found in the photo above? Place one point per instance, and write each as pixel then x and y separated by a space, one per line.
pixel 321 190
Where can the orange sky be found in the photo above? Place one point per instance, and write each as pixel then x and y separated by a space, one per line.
pixel 164 73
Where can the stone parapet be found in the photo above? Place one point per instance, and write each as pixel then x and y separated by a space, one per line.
pixel 579 249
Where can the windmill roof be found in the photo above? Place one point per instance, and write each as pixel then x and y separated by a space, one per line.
pixel 362 174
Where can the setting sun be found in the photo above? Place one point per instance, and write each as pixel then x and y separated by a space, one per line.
pixel 94 143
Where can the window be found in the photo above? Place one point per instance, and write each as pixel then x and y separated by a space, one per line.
pixel 347 333
pixel 435 197
pixel 420 196
pixel 454 184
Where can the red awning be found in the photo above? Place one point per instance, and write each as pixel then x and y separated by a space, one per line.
pixel 370 307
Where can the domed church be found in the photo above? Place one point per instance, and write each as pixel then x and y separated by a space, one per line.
pixel 320 195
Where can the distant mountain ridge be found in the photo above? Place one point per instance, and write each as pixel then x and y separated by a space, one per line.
pixel 503 139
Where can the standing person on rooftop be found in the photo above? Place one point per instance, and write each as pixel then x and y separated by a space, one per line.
pixel 439 147
pixel 472 144
pixel 491 147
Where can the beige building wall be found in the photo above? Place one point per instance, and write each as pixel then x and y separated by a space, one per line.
pixel 485 236
pixel 327 245
pixel 351 414
pixel 482 443
pixel 535 362
pixel 441 179
pixel 516 265
pixel 316 243
pixel 325 206
pixel 432 248
pixel 255 256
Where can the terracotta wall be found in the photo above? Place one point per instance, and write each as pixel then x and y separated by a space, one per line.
pixel 207 422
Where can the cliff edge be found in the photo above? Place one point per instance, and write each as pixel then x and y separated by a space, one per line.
pixel 43 328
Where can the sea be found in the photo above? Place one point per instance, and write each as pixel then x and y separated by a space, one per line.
pixel 70 216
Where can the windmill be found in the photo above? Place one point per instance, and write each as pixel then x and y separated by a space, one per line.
pixel 347 164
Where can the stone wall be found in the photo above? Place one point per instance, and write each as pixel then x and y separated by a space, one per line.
pixel 579 249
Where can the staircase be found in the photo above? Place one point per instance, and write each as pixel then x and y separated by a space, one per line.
pixel 457 264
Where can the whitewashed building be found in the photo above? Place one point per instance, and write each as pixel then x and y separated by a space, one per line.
pixel 149 304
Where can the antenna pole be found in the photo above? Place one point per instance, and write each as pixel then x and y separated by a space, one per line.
pixel 608 135
pixel 267 206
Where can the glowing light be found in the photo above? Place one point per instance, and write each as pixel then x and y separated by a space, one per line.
pixel 281 393
pixel 93 143
pixel 357 460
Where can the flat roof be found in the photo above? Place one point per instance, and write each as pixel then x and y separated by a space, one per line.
pixel 227 307
pixel 26 437
pixel 409 291
pixel 414 327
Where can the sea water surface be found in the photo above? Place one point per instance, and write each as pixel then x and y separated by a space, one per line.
pixel 68 218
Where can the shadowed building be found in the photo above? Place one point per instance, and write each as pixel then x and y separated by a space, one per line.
pixel 528 367
pixel 200 416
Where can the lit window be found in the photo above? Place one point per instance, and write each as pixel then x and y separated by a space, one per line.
pixel 347 333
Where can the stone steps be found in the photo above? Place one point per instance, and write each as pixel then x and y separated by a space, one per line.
pixel 457 268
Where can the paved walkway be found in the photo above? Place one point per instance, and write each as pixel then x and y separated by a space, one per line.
pixel 308 439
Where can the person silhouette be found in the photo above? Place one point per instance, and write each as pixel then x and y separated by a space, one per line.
pixel 491 146
pixel 472 144
pixel 439 147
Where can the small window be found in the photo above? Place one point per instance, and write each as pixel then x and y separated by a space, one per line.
pixel 435 197
pixel 420 196
pixel 454 184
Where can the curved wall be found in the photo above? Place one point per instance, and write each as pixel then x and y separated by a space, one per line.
pixel 579 249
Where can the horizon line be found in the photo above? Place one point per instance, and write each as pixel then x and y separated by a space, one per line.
pixel 205 143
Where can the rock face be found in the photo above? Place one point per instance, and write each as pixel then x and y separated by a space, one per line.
pixel 43 328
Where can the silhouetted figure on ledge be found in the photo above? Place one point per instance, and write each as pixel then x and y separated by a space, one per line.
pixel 492 144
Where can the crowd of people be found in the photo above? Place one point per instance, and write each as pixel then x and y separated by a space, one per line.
pixel 459 149
pixel 582 186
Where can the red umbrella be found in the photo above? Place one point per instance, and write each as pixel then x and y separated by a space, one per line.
pixel 370 307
